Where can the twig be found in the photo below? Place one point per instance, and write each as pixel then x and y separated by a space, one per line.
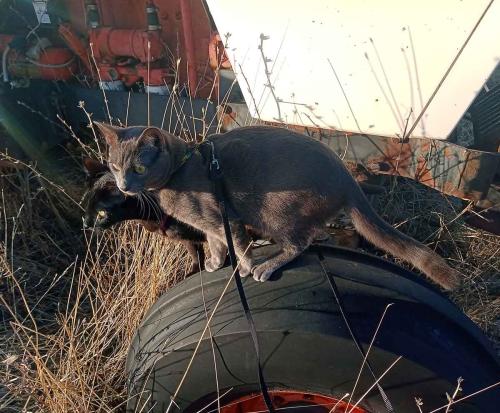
pixel 250 92
pixel 451 398
pixel 148 85
pixel 37 112
pixel 267 72
pixel 452 64
pixel 195 351
pixel 128 107
pixel 386 80
pixel 9 158
pixel 101 83
pixel 81 105
pixel 365 358
pixel 467 397
pixel 374 384
pixel 211 336
pixel 419 403
pixel 345 95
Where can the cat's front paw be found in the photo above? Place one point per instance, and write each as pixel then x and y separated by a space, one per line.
pixel 245 268
pixel 261 273
pixel 212 265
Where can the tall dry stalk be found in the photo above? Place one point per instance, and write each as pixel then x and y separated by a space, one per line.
pixel 70 303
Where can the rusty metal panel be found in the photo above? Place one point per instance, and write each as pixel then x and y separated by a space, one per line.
pixel 447 167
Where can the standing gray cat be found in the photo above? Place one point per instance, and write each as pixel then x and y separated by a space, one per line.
pixel 282 183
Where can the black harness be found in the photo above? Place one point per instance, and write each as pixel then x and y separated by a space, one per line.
pixel 216 175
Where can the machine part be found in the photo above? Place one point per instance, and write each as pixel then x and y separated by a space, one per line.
pixel 229 89
pixel 28 115
pixel 304 340
pixel 159 90
pixel 131 74
pixel 298 402
pixel 109 43
pixel 35 50
pixel 165 17
pixel 485 113
pixel 93 18
pixel 449 168
pixel 112 85
pixel 492 200
pixel 217 56
pixel 75 44
pixel 40 8
pixel 152 17
pixel 487 220
pixel 185 117
pixel 187 31
pixel 5 40
pixel 54 63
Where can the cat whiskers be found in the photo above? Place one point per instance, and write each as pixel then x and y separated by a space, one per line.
pixel 153 205
pixel 142 206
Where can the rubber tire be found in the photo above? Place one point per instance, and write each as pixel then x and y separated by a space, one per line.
pixel 304 342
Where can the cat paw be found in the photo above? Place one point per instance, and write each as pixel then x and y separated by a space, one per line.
pixel 245 272
pixel 245 268
pixel 213 265
pixel 261 273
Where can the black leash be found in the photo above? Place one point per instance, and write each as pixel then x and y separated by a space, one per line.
pixel 216 177
pixel 338 299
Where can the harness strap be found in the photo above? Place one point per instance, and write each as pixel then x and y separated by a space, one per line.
pixel 216 176
pixel 187 155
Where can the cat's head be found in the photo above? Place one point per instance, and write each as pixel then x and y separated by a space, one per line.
pixel 93 170
pixel 105 205
pixel 140 158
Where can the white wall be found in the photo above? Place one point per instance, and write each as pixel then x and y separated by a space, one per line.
pixel 305 35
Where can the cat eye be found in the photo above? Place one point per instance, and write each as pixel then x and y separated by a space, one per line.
pixel 102 213
pixel 140 169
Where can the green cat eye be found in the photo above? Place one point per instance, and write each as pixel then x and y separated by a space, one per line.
pixel 140 169
pixel 101 213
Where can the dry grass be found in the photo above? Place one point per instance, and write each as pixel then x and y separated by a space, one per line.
pixel 438 221
pixel 71 303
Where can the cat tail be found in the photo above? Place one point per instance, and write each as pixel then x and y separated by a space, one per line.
pixel 381 234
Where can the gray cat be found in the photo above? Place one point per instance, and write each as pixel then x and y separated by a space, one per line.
pixel 284 184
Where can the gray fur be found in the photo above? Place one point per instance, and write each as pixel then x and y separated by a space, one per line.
pixel 282 183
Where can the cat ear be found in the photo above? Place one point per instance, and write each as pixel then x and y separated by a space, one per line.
pixel 108 132
pixel 151 136
pixel 93 168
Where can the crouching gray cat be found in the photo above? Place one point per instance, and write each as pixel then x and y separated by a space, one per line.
pixel 282 183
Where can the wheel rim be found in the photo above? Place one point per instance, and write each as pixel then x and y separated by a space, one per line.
pixel 290 401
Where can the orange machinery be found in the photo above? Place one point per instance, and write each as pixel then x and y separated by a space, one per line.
pixel 118 43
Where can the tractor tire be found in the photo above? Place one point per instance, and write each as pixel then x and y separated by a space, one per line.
pixel 306 349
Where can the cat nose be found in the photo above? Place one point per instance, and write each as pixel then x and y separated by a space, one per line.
pixel 124 187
